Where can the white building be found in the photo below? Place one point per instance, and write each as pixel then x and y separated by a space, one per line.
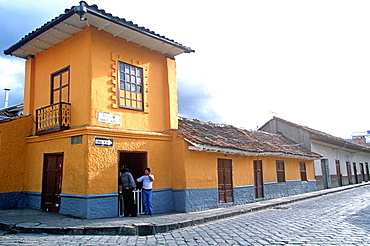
pixel 343 161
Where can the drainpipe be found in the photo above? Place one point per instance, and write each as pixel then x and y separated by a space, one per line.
pixel 6 97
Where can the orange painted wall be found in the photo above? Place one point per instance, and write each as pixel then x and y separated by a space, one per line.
pixel 159 83
pixel 93 59
pixel 201 169
pixel 74 163
pixel 89 169
pixel 102 164
pixel 13 152
pixel 73 52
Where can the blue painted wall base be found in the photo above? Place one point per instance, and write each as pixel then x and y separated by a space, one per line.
pixel 164 200
pixel 89 206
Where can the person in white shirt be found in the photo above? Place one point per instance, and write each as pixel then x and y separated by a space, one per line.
pixel 147 180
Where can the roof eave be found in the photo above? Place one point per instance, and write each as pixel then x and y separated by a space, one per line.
pixel 184 48
pixel 39 31
pixel 74 10
pixel 209 148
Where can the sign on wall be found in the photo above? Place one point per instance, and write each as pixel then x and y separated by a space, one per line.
pixel 109 118
pixel 103 142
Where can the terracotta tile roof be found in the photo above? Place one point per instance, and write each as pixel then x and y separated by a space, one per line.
pixel 325 137
pixel 212 136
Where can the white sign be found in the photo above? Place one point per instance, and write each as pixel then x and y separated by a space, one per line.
pixel 113 119
pixel 103 142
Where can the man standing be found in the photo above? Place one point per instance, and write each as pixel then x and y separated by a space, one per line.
pixel 147 179
pixel 128 185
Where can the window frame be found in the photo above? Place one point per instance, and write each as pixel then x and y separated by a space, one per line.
pixel 280 171
pixel 61 85
pixel 122 75
pixel 303 171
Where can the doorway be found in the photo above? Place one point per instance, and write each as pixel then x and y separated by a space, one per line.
pixel 325 174
pixel 349 172
pixel 135 161
pixel 362 170
pixel 258 179
pixel 355 172
pixel 52 182
pixel 225 181
pixel 339 175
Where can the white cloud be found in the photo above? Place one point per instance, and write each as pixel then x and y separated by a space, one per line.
pixel 12 76
pixel 307 61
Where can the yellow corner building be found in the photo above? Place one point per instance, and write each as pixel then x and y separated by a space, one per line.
pixel 100 94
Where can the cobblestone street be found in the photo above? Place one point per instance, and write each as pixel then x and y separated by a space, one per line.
pixel 336 219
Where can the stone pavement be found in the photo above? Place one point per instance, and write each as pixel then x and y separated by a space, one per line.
pixel 38 221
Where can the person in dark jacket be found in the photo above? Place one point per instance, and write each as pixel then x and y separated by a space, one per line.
pixel 128 186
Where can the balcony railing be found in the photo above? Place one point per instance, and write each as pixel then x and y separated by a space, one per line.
pixel 53 118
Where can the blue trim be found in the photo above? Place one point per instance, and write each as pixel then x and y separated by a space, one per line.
pixel 190 200
pixel 290 188
pixel 89 196
pixel 13 200
pixel 90 206
pixel 243 194
pixel 164 200
pixel 33 199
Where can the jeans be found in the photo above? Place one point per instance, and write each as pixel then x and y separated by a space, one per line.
pixel 147 201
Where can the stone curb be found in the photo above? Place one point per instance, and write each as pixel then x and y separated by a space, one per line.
pixel 144 229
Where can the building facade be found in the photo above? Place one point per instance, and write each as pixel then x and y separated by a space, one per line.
pixel 343 161
pixel 101 94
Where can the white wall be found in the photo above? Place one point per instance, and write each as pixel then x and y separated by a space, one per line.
pixel 332 153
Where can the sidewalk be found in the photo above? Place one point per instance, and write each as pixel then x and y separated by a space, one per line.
pixel 38 221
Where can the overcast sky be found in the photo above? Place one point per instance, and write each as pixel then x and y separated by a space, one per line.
pixel 304 61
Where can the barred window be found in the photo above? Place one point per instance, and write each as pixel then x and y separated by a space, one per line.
pixel 280 171
pixel 130 86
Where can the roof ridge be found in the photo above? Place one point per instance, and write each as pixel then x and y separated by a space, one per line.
pixel 322 134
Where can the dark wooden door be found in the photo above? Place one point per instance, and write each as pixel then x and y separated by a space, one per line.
pixel 355 173
pixel 339 175
pixel 349 173
pixel 258 179
pixel 225 182
pixel 325 174
pixel 52 182
pixel 362 170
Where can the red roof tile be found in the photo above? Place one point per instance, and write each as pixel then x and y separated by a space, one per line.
pixel 200 133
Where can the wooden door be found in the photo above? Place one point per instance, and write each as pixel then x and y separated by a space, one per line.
pixel 349 172
pixel 325 174
pixel 258 179
pixel 355 172
pixel 339 175
pixel 362 170
pixel 52 182
pixel 225 182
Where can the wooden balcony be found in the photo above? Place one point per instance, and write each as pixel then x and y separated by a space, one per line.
pixel 53 118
